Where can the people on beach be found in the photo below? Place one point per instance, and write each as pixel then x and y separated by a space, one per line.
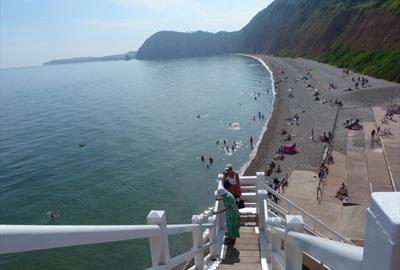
pixel 342 193
pixel 231 214
pixel 373 134
pixel 291 92
pixel 285 182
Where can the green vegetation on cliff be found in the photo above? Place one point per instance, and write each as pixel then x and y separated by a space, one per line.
pixel 383 63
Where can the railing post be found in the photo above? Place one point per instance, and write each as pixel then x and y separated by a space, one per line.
pixel 260 184
pixel 212 239
pixel 382 243
pixel 159 244
pixel 221 217
pixel 275 248
pixel 261 196
pixel 294 255
pixel 197 242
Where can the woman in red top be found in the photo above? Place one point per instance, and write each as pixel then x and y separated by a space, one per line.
pixel 231 181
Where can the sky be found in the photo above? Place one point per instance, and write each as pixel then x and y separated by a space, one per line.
pixel 36 31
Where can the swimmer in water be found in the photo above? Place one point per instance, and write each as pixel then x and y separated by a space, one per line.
pixel 224 141
pixel 211 160
pixel 217 142
pixel 233 148
pixel 202 158
pixel 198 116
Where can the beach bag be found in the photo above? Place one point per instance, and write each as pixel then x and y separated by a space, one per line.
pixel 227 184
pixel 240 203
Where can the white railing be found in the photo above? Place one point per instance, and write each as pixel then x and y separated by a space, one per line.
pixel 275 225
pixel 312 224
pixel 207 234
pixel 20 238
pixel 382 243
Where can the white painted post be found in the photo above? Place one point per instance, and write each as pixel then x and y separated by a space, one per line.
pixel 260 181
pixel 260 184
pixel 275 248
pixel 159 244
pixel 261 196
pixel 221 217
pixel 382 232
pixel 294 255
pixel 197 242
pixel 212 239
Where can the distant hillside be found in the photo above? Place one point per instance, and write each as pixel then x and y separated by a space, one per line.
pixel 125 56
pixel 363 35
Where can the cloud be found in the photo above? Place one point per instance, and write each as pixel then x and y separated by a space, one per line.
pixel 12 31
pixel 121 24
pixel 158 5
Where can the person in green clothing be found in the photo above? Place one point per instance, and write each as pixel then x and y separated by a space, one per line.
pixel 232 214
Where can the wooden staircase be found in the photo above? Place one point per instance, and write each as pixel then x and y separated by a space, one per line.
pixel 245 254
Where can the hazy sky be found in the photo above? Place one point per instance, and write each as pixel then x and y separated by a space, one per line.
pixel 35 31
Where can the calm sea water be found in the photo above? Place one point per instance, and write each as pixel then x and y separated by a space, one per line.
pixel 143 140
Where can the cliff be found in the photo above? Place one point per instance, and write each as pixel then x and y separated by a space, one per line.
pixel 363 35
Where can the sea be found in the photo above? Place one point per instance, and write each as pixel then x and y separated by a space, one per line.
pixel 105 143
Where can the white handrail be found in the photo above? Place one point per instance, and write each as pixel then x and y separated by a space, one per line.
pixel 335 254
pixel 19 238
pixel 308 215
pixel 381 243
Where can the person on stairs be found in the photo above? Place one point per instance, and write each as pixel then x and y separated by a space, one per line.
pixel 231 213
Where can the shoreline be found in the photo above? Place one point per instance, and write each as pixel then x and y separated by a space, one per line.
pixel 316 117
pixel 313 115
pixel 253 153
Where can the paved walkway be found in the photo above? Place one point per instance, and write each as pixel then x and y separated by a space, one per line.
pixel 347 220
pixel 377 168
pixel 391 144
pixel 356 169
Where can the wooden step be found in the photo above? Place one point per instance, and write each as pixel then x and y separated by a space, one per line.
pixel 240 266
pixel 248 188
